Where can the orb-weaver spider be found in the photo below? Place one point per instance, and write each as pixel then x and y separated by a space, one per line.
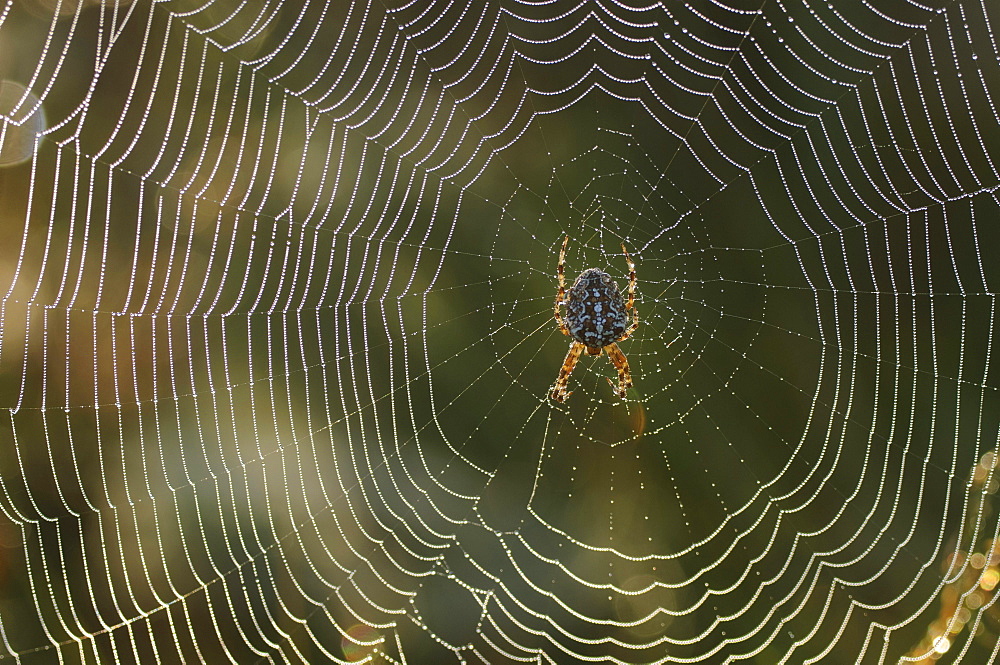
pixel 596 319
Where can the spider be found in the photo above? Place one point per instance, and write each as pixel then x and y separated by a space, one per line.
pixel 596 319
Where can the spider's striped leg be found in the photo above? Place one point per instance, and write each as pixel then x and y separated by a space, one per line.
pixel 631 279
pixel 559 392
pixel 632 326
pixel 621 364
pixel 561 294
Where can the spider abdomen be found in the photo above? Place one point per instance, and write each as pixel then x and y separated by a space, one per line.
pixel 595 310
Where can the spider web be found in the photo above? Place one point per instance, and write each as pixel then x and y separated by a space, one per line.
pixel 276 335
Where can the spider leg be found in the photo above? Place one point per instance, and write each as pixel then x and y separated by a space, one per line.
pixel 559 392
pixel 630 304
pixel 621 364
pixel 632 326
pixel 561 293
pixel 631 279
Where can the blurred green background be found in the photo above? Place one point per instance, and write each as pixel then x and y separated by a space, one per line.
pixel 277 332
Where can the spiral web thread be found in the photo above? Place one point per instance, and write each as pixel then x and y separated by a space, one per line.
pixel 276 337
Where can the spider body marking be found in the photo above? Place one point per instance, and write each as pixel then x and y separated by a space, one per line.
pixel 596 319
pixel 595 310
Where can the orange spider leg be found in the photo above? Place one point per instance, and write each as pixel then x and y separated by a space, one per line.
pixel 630 303
pixel 559 392
pixel 631 279
pixel 621 364
pixel 561 294
pixel 632 327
